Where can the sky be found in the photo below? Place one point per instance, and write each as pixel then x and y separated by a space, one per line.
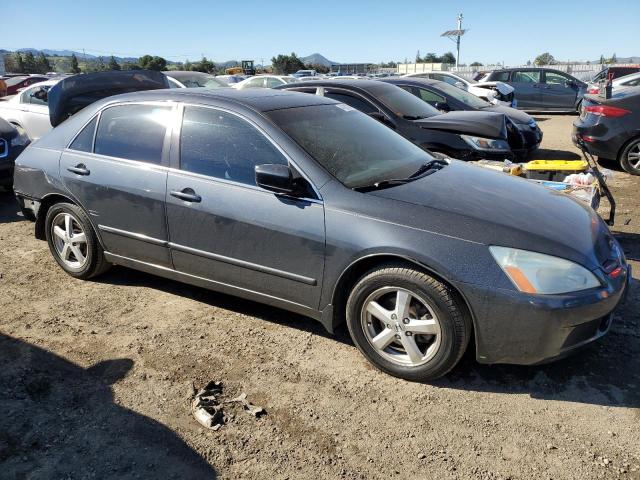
pixel 343 31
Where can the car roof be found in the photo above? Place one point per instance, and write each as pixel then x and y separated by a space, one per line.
pixel 258 99
pixel 178 74
pixel 416 81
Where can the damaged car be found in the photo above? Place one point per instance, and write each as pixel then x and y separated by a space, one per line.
pixel 305 203
pixel 461 135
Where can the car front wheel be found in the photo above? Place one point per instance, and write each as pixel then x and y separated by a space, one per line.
pixel 73 242
pixel 407 323
pixel 630 157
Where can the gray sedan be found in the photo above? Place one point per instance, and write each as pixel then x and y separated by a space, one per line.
pixel 304 203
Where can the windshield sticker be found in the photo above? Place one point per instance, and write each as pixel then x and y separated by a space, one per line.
pixel 345 107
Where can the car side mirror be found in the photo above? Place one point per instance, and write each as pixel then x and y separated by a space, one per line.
pixel 277 178
pixel 460 85
pixel 41 94
pixel 442 106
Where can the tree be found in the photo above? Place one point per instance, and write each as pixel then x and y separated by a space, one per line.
pixel 204 65
pixel 418 59
pixel 42 64
pixel 148 62
pixel 602 62
pixel 285 64
pixel 476 64
pixel 113 64
pixel 317 67
pixel 75 68
pixel 10 64
pixel 20 66
pixel 130 66
pixel 187 65
pixel 30 65
pixel 448 58
pixel 430 58
pixel 545 59
pixel 614 59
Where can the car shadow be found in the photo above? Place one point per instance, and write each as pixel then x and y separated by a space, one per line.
pixel 630 243
pixel 553 154
pixel 9 208
pixel 599 374
pixel 59 420
pixel 118 275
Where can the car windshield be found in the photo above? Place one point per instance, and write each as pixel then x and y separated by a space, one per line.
pixel 356 149
pixel 200 80
pixel 289 79
pixel 402 103
pixel 462 96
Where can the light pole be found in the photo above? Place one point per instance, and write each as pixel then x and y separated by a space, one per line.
pixel 455 36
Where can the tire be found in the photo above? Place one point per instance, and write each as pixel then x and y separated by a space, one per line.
pixel 82 258
pixel 433 309
pixel 630 157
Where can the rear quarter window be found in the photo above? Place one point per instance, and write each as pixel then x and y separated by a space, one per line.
pixel 84 141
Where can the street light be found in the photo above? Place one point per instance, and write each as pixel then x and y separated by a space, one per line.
pixel 455 36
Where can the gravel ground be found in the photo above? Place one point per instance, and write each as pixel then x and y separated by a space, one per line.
pixel 95 380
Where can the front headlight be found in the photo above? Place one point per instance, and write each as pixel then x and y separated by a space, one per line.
pixel 486 144
pixel 537 273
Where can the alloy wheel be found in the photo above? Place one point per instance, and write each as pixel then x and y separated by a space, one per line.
pixel 401 326
pixel 69 240
pixel 633 157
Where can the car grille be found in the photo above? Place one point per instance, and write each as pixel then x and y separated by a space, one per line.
pixel 4 148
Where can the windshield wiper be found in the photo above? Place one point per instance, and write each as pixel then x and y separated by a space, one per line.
pixel 425 169
pixel 414 117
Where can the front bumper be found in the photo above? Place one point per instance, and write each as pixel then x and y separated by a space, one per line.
pixel 516 328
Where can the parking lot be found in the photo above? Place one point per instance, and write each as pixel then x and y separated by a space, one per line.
pixel 124 351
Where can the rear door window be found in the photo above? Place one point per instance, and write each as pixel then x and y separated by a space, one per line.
pixel 500 77
pixel 222 145
pixel 133 132
pixel 526 76
pixel 352 100
pixel 555 78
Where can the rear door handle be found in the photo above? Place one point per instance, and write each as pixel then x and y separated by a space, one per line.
pixel 80 169
pixel 186 194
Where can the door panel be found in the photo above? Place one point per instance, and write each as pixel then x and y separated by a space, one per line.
pixel 527 85
pixel 125 201
pixel 247 237
pixel 557 93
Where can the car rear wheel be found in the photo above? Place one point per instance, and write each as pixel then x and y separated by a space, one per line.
pixel 407 323
pixel 630 157
pixel 72 241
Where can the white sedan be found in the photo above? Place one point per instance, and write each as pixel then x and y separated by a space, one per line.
pixel 484 90
pixel 27 112
pixel 264 81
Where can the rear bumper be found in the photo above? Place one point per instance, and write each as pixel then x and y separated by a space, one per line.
pixel 597 138
pixel 512 327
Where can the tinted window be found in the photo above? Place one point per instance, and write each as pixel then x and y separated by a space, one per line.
pixel 463 96
pixel 84 140
pixel 526 76
pixel 401 102
pixel 353 147
pixel 356 102
pixel 221 145
pixel 273 82
pixel 499 77
pixel 134 132
pixel 429 96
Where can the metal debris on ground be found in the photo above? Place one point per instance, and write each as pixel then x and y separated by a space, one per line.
pixel 206 405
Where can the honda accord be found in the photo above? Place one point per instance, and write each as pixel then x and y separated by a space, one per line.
pixel 305 203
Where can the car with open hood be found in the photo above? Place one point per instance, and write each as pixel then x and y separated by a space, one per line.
pixel 461 135
pixel 523 131
pixel 304 203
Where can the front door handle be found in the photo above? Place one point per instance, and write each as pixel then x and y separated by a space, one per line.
pixel 80 169
pixel 186 194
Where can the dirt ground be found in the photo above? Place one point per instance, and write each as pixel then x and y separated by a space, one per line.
pixel 95 380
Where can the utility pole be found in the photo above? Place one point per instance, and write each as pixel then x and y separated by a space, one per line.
pixel 458 40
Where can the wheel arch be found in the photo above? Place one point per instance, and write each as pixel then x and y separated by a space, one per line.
pixel 634 138
pixel 46 203
pixel 359 267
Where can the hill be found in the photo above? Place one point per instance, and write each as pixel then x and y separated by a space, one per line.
pixel 317 59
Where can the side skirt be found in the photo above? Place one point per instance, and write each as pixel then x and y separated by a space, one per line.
pixel 213 285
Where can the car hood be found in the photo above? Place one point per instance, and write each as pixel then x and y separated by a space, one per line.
pixel 484 206
pixel 517 116
pixel 484 124
pixel 74 93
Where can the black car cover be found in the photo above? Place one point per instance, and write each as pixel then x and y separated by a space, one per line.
pixel 483 124
pixel 74 93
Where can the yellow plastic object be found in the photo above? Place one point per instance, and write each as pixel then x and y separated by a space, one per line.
pixel 558 165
